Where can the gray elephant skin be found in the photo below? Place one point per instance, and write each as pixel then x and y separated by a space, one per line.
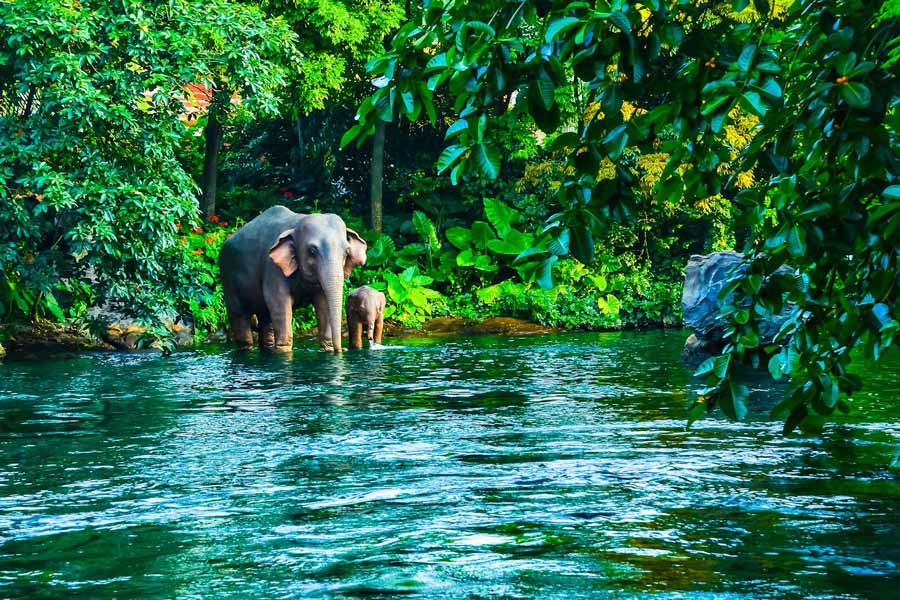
pixel 281 260
pixel 365 311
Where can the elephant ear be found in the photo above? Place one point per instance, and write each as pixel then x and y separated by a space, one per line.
pixel 356 257
pixel 284 253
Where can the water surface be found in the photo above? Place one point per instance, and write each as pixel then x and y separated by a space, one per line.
pixel 538 467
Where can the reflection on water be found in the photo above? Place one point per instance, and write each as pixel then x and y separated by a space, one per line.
pixel 551 467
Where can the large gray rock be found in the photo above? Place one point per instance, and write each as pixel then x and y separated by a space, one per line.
pixel 705 276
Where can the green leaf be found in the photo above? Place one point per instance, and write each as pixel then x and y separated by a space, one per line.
pixel 466 258
pixel 845 62
pixel 753 103
pixel 776 366
pixel 449 156
pixel 482 234
pixel 559 26
pixel 456 128
pixel 544 89
pixel 426 230
pixel 408 100
pixel 514 243
pixel 543 275
pixel 856 94
pixel 487 159
pixel 771 88
pixel 796 241
pixel 615 142
pixel 892 192
pixel 351 134
pixel 582 243
pixel 621 21
pixel 500 215
pixel 697 410
pixel 745 60
pixel 459 237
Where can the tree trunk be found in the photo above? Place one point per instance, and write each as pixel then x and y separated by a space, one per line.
pixel 212 133
pixel 377 176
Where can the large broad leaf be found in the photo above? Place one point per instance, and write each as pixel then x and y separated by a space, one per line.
pixel 484 263
pixel 500 215
pixel 456 128
pixel 856 94
pixel 544 89
pixel 449 156
pixel 615 142
pixel 514 242
pixel 609 305
pixel 559 26
pixel 466 258
pixel 543 275
pixel 395 287
pixel 460 237
pixel 753 103
pixel 582 243
pixel 426 229
pixel 482 234
pixel 745 60
pixel 487 159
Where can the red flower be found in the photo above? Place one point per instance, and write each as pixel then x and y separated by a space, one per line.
pixel 213 219
pixel 178 226
pixel 197 230
pixel 209 240
pixel 183 240
pixel 288 195
pixel 198 252
pixel 224 223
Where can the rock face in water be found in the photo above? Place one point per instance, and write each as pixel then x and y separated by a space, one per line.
pixel 705 275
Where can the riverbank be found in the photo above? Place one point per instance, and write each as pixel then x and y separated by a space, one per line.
pixel 51 340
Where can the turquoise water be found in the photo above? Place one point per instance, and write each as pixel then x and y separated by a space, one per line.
pixel 537 467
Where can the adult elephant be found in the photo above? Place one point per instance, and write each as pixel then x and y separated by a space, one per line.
pixel 280 260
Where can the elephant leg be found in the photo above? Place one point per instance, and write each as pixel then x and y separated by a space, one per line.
pixel 354 327
pixel 239 323
pixel 281 307
pixel 266 334
pixel 323 324
pixel 379 328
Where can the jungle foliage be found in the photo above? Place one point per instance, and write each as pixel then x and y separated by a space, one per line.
pixel 551 160
pixel 94 152
pixel 816 186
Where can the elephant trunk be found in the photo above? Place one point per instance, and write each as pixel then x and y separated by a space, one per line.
pixel 333 288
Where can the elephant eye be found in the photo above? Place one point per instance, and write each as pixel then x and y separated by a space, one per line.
pixel 313 251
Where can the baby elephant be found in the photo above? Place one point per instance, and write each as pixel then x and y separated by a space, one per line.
pixel 365 306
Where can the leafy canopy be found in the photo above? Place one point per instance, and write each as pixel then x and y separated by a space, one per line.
pixel 825 192
pixel 92 94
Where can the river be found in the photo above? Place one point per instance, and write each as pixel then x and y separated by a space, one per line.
pixel 551 466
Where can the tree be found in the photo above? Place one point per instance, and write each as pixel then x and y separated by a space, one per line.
pixel 818 77
pixel 91 179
